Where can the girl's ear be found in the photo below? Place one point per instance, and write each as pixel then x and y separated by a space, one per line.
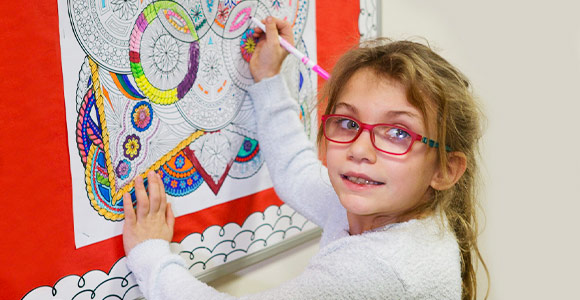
pixel 456 165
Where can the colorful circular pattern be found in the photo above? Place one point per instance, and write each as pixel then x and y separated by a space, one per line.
pixel 103 30
pixel 131 146
pixel 142 116
pixel 248 44
pixel 236 58
pixel 123 169
pixel 154 56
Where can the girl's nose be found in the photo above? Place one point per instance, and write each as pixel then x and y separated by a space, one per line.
pixel 362 148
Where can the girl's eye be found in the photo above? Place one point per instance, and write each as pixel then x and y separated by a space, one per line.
pixel 348 124
pixel 397 134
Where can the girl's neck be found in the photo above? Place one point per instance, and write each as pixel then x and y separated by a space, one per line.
pixel 358 224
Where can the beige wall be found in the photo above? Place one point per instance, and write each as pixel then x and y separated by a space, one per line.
pixel 523 58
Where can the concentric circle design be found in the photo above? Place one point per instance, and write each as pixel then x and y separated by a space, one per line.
pixel 248 44
pixel 147 56
pixel 215 99
pixel 236 61
pixel 103 29
pixel 202 13
pixel 164 52
pixel 132 146
pixel 142 116
pixel 123 169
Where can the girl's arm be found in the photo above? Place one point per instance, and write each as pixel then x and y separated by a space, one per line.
pixel 164 275
pixel 342 274
pixel 299 177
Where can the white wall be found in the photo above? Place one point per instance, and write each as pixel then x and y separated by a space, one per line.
pixel 523 58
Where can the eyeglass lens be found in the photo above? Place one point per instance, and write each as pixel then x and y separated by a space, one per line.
pixel 386 138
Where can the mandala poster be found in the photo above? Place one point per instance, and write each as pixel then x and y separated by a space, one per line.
pixel 161 85
pixel 84 119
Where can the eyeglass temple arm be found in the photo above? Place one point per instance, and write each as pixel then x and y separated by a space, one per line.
pixel 431 143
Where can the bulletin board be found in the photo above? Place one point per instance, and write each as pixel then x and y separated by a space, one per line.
pixel 46 252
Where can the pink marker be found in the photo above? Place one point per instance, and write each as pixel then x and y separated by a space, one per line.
pixel 301 56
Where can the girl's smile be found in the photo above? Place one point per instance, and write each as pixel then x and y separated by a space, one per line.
pixel 359 181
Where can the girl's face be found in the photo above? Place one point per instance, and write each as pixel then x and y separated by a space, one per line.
pixel 393 185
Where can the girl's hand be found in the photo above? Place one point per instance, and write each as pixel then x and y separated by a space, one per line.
pixel 154 218
pixel 269 55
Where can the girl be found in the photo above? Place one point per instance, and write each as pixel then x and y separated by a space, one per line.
pixel 396 200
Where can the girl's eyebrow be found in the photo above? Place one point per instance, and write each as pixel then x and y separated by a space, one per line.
pixel 396 113
pixel 347 106
pixel 389 115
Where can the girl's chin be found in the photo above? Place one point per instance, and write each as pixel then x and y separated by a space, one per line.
pixel 359 205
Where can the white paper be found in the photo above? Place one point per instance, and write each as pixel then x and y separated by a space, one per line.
pixel 134 125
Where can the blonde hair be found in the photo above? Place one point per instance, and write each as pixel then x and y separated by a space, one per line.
pixel 432 85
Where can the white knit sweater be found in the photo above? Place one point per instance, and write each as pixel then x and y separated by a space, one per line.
pixel 417 259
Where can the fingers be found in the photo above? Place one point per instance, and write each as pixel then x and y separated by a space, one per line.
pixel 257 30
pixel 142 199
pixel 156 201
pixel 163 202
pixel 154 218
pixel 154 192
pixel 169 216
pixel 284 29
pixel 129 210
pixel 271 31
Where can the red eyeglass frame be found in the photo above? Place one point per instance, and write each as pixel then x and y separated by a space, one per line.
pixel 362 126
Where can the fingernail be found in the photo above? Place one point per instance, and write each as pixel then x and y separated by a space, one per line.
pixel 268 19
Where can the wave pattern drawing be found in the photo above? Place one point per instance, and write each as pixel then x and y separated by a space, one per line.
pixel 201 251
pixel 259 231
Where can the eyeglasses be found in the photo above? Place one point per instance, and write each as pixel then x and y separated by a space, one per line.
pixel 387 138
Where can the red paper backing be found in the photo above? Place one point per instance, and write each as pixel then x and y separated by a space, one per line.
pixel 37 245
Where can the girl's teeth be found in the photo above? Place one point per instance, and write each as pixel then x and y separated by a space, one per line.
pixel 358 180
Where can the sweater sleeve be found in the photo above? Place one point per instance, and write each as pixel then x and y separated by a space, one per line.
pixel 298 176
pixel 162 275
